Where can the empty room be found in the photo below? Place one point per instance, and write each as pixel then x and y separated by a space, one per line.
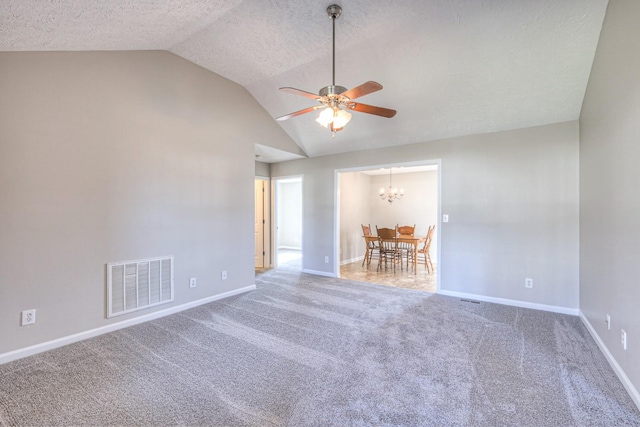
pixel 153 270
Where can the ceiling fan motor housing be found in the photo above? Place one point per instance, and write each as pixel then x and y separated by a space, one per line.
pixel 332 90
pixel 332 95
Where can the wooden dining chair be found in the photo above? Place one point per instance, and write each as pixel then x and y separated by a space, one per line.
pixel 406 230
pixel 371 249
pixel 423 252
pixel 388 247
pixel 406 249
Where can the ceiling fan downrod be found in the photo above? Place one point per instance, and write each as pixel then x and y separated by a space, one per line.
pixel 334 11
pixel 332 92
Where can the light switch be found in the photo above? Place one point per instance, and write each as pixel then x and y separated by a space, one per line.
pixel 445 218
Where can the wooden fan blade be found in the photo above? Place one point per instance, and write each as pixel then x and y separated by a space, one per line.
pixel 362 90
pixel 300 92
pixel 298 113
pixel 370 109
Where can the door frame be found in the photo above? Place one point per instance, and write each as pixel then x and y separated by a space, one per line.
pixel 266 215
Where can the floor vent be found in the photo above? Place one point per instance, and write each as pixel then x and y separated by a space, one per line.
pixel 135 285
pixel 470 300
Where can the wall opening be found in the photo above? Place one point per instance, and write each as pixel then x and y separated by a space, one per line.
pixel 288 223
pixel 358 203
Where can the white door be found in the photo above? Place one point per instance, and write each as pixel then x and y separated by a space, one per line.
pixel 259 223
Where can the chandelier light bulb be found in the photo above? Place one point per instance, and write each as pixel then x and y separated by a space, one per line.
pixel 392 192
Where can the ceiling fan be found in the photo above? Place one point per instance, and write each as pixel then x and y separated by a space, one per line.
pixel 335 100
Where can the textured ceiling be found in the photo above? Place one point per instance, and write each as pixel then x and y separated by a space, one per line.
pixel 449 67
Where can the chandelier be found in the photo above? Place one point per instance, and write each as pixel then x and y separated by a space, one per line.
pixel 390 194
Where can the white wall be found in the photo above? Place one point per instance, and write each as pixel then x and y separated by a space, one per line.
pixel 355 210
pixel 262 169
pixel 609 195
pixel 512 201
pixel 112 156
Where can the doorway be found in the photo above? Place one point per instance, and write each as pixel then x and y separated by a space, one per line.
pixel 358 202
pixel 288 223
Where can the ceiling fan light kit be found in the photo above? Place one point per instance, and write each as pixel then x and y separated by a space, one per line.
pixel 335 100
pixel 337 118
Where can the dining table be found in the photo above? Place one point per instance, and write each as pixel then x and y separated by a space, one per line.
pixel 403 238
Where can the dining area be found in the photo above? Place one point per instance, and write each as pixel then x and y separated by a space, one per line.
pixel 389 243
pixel 395 256
pixel 398 248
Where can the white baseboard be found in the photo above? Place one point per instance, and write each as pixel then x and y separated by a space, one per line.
pixel 50 345
pixel 291 248
pixel 349 261
pixel 319 273
pixel 512 302
pixel 633 392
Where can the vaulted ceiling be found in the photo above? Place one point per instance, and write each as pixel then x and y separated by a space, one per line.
pixel 449 67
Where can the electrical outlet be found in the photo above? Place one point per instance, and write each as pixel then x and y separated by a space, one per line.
pixel 28 317
pixel 623 339
pixel 528 283
pixel 192 282
pixel 224 275
pixel 326 260
pixel 608 322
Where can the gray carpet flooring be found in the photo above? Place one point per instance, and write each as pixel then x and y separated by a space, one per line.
pixel 303 350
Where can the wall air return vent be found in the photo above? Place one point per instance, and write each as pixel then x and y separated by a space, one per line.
pixel 135 285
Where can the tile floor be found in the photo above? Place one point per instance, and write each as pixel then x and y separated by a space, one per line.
pixel 421 281
pixel 292 260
